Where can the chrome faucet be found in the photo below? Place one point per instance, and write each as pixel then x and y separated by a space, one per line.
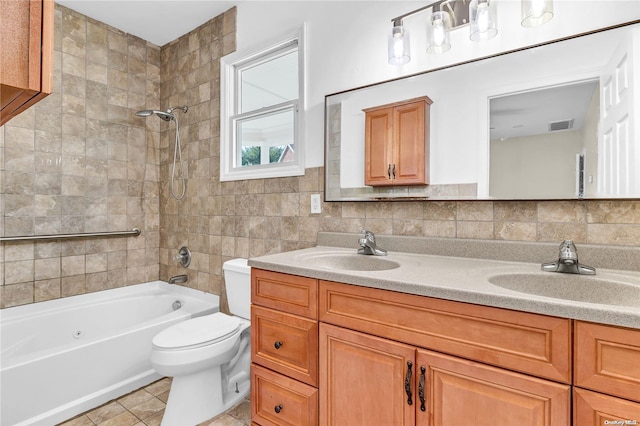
pixel 568 261
pixel 178 279
pixel 368 245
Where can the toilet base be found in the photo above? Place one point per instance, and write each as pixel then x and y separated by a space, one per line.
pixel 198 397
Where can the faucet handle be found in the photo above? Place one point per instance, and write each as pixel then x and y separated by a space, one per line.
pixel 369 235
pixel 568 252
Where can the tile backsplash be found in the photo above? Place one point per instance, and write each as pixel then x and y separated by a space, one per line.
pixel 81 161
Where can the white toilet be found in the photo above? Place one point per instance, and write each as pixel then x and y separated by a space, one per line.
pixel 209 356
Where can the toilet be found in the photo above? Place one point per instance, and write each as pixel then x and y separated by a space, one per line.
pixel 208 356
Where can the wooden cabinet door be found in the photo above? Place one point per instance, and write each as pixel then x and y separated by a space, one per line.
pixel 396 143
pixel 26 54
pixel 378 147
pixel 462 392
pixel 362 379
pixel 595 409
pixel 410 150
pixel 607 359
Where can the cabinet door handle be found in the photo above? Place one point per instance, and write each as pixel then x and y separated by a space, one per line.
pixel 277 408
pixel 407 383
pixel 421 388
pixel 277 345
pixel 389 172
pixel 393 171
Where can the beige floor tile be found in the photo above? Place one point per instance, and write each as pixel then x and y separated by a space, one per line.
pixel 122 419
pixel 154 420
pixel 78 421
pixel 159 387
pixel 223 420
pixel 148 408
pixel 135 398
pixel 241 412
pixel 145 407
pixel 105 412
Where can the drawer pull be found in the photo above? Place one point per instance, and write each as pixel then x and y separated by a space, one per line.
pixel 421 388
pixel 277 345
pixel 278 408
pixel 407 383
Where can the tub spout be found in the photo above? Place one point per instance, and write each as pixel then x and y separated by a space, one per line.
pixel 178 279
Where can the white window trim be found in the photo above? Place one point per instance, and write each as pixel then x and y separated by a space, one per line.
pixel 228 172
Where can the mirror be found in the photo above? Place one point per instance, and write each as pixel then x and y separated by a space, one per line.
pixel 554 121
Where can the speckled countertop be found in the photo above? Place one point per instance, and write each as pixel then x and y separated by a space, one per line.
pixel 469 279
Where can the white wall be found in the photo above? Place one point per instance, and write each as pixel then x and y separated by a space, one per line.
pixel 347 41
pixel 530 167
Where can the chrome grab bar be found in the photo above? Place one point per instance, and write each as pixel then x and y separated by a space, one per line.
pixel 134 232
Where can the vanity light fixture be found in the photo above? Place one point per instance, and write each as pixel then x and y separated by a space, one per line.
pixel 536 12
pixel 448 15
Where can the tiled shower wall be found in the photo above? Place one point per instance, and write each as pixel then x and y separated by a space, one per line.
pixel 217 220
pixel 81 161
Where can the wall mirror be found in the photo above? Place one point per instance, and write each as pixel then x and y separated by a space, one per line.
pixel 555 121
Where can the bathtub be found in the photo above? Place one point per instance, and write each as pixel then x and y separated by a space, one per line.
pixel 63 357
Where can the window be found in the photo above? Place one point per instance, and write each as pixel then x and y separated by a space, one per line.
pixel 262 100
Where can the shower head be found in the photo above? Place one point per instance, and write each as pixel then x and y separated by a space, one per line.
pixel 166 116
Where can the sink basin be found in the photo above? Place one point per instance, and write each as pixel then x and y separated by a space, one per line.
pixel 579 288
pixel 351 262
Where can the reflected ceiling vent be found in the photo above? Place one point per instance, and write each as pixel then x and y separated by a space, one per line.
pixel 554 126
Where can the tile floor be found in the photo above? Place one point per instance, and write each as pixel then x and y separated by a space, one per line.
pixel 145 407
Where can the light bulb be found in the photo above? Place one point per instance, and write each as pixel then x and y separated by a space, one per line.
pixel 438 32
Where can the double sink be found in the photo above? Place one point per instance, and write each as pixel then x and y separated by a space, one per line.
pixel 581 288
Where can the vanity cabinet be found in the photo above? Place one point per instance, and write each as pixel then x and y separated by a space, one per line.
pixel 338 354
pixel 374 364
pixel 26 54
pixel 284 349
pixel 397 143
pixel 607 374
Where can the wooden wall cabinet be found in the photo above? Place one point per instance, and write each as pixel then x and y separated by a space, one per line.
pixel 284 349
pixel 26 54
pixel 397 143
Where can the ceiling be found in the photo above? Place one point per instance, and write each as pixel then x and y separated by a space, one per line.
pixel 156 21
pixel 531 113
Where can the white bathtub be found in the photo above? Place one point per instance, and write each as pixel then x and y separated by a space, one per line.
pixel 62 357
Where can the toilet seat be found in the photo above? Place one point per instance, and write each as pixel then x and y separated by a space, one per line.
pixel 197 332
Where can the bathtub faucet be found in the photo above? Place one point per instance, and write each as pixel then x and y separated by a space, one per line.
pixel 178 279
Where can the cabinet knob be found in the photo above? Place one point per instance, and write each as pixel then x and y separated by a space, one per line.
pixel 278 408
pixel 277 345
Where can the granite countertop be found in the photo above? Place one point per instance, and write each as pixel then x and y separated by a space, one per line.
pixel 468 280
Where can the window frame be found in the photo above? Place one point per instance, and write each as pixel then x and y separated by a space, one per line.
pixel 231 65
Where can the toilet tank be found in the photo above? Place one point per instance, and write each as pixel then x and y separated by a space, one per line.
pixel 237 278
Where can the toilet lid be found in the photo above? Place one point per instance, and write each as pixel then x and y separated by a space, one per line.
pixel 195 332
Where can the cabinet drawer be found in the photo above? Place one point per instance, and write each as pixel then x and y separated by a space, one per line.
pixel 285 343
pixel 530 343
pixel 596 409
pixel 607 359
pixel 289 293
pixel 279 400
